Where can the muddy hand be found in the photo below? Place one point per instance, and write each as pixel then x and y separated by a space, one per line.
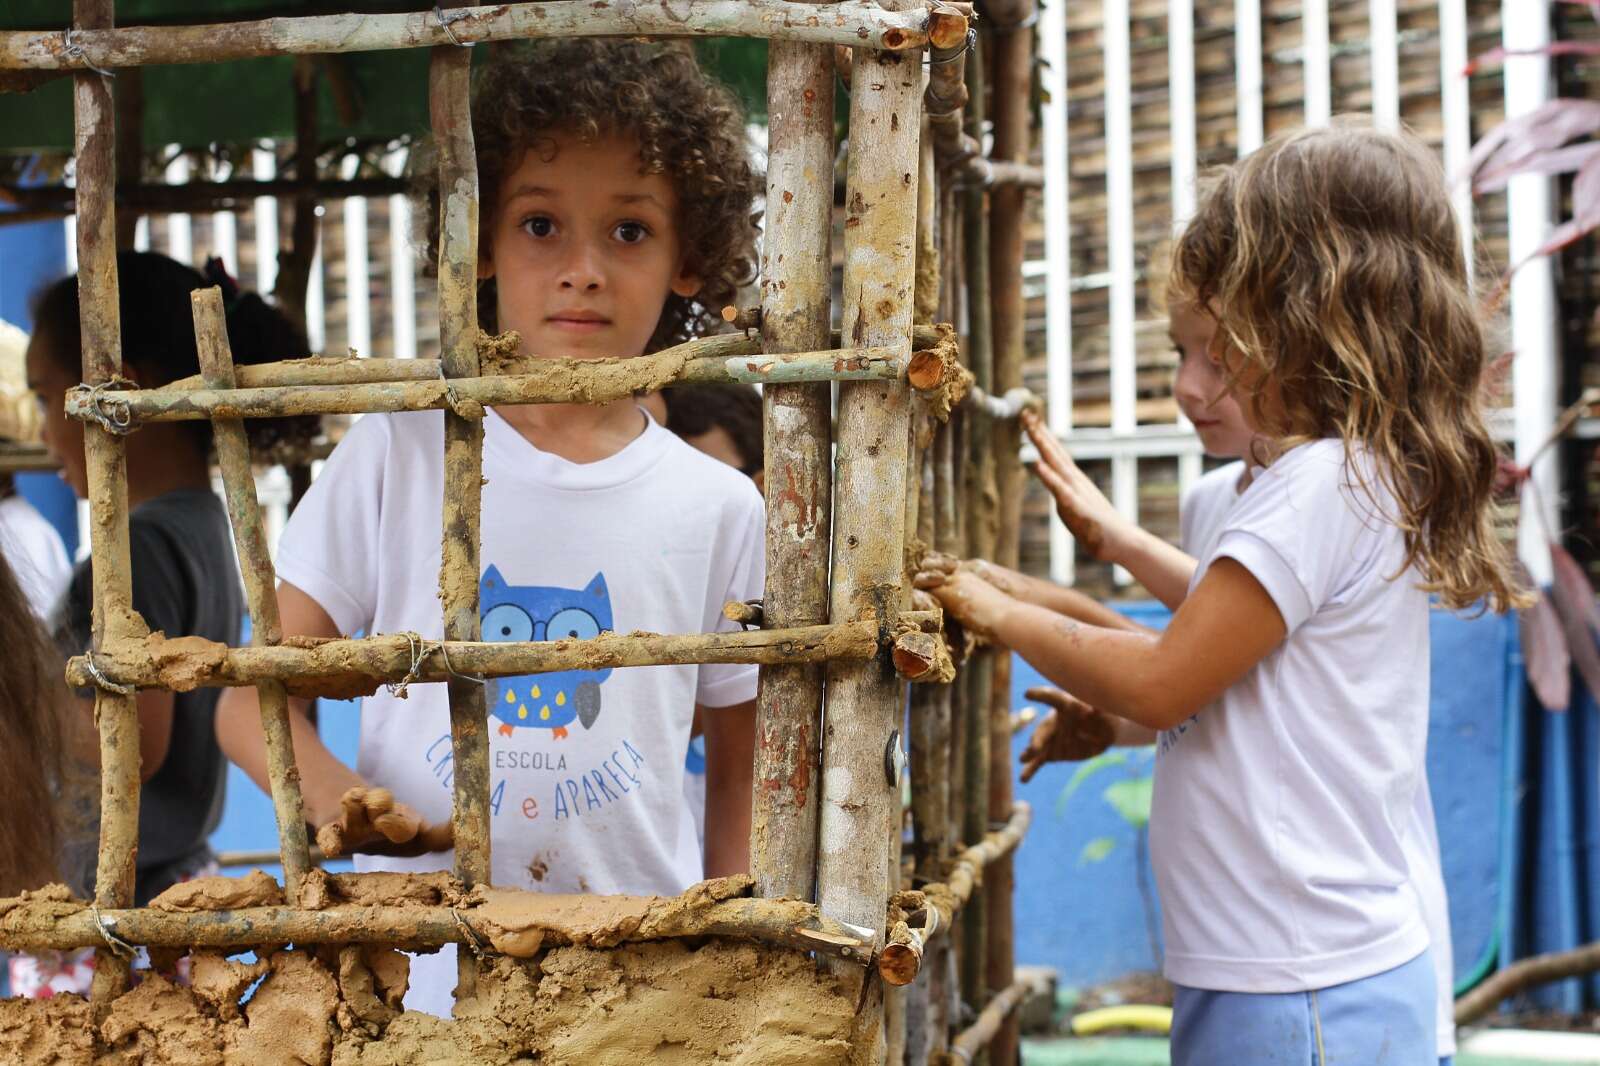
pixel 1083 508
pixel 966 597
pixel 1071 732
pixel 372 823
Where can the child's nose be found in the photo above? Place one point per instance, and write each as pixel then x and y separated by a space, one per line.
pixel 584 269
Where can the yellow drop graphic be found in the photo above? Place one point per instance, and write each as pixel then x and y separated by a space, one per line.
pixel 544 713
pixel 534 694
pixel 511 697
pixel 561 699
pixel 522 712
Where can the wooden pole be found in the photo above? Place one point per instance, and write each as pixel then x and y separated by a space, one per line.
pixel 194 197
pixel 130 154
pixel 1013 52
pixel 980 539
pixel 294 265
pixel 255 564
pixel 346 668
pixel 988 1029
pixel 855 23
pixel 508 921
pixel 546 381
pixel 860 806
pixel 114 620
pixel 449 103
pixel 795 292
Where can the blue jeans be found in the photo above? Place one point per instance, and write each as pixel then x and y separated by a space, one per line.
pixel 1384 1020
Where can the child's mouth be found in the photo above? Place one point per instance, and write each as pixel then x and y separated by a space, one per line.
pixel 579 323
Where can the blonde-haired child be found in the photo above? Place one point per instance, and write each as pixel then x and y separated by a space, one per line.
pixel 1290 691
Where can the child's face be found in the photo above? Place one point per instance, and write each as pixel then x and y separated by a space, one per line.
pixel 584 249
pixel 63 436
pixel 1202 386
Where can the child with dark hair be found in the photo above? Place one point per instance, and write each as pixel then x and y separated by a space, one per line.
pixel 185 580
pixel 616 207
pixel 722 421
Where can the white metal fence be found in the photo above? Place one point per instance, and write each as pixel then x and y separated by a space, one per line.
pixel 1127 441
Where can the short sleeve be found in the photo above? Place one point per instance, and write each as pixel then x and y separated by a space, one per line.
pixel 1298 530
pixel 162 593
pixel 329 548
pixel 726 684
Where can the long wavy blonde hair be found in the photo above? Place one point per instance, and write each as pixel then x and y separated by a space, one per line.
pixel 1332 262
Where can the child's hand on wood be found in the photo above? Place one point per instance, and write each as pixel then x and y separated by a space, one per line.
pixel 965 596
pixel 372 823
pixel 1083 508
pixel 1071 732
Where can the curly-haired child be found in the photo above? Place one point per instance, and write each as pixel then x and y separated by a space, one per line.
pixel 1290 691
pixel 616 207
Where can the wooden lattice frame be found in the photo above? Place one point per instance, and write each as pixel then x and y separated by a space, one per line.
pixel 894 484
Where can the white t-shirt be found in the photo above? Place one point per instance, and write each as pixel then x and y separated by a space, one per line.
pixel 35 552
pixel 1201 518
pixel 586 767
pixel 1280 815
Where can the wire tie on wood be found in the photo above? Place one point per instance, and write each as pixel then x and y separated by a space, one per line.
pixel 102 681
pixel 471 410
pixel 446 20
pixel 418 650
pixel 73 50
pixel 452 671
pixel 119 947
pixel 113 415
pixel 966 46
pixel 473 941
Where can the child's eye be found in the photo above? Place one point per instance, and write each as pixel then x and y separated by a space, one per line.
pixel 631 232
pixel 539 225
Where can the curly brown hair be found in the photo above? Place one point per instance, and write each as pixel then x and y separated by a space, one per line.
pixel 689 128
pixel 1332 262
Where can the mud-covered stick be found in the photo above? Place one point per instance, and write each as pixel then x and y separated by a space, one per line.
pixel 255 564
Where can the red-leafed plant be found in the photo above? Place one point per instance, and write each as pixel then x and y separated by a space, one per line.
pixel 1560 137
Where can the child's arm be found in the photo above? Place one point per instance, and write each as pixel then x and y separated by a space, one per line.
pixel 1049 595
pixel 1105 534
pixel 334 794
pixel 730 734
pixel 1228 625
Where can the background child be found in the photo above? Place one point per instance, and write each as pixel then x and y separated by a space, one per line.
pixel 1073 730
pixel 1290 688
pixel 185 580
pixel 616 207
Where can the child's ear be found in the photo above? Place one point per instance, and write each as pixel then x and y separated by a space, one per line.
pixel 687 282
pixel 485 265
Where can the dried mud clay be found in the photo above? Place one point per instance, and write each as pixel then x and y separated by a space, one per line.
pixel 667 1002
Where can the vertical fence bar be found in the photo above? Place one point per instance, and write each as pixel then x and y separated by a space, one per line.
pixel 1058 249
pixel 1120 250
pixel 1536 371
pixel 1384 44
pixel 1318 76
pixel 796 276
pixel 1456 107
pixel 970 781
pixel 449 99
pixel 357 273
pixel 1248 74
pixel 1013 84
pixel 859 807
pixel 255 564
pixel 114 620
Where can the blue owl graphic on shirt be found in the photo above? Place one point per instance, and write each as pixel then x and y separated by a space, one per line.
pixel 541 612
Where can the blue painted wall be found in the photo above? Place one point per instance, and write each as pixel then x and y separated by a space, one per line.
pixel 1089 916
